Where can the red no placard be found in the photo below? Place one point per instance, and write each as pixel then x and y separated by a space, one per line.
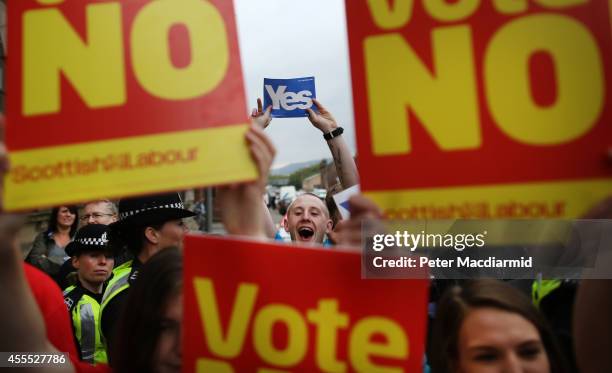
pixel 108 99
pixel 141 113
pixel 434 34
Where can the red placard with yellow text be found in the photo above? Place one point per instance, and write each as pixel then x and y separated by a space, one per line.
pixel 259 307
pixel 116 98
pixel 482 109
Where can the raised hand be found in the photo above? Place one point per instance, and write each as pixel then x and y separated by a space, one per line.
pixel 323 120
pixel 242 208
pixel 10 224
pixel 260 117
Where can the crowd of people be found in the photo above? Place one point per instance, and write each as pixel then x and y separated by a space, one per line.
pixel 108 291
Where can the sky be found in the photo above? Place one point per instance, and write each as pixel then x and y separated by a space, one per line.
pixel 291 39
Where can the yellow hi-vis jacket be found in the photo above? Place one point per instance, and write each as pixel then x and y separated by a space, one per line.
pixel 85 314
pixel 117 284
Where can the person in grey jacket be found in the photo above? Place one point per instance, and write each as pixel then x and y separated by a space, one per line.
pixel 47 252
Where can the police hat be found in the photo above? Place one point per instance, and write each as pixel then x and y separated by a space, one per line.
pixel 92 237
pixel 155 209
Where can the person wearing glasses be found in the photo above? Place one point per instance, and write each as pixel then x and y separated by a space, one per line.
pixel 99 212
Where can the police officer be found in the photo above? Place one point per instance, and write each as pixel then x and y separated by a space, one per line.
pixel 93 261
pixel 146 225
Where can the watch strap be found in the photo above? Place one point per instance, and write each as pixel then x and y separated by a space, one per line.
pixel 335 133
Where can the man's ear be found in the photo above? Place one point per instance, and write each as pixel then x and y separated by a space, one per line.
pixel 286 225
pixel 329 226
pixel 152 235
pixel 75 262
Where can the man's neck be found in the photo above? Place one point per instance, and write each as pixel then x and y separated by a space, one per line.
pixel 94 287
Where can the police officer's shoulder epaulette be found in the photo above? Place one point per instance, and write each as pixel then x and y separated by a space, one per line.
pixel 72 295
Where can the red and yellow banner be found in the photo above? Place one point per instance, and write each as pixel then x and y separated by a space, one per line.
pixel 482 109
pixel 118 98
pixel 257 307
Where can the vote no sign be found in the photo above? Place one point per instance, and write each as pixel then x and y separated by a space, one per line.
pixel 482 109
pixel 118 98
pixel 257 307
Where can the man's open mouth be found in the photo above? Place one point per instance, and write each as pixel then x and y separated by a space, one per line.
pixel 305 233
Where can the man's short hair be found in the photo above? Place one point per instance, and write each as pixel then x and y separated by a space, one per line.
pixel 110 204
pixel 325 209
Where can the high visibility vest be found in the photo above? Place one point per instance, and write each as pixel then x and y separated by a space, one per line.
pixel 117 284
pixel 85 315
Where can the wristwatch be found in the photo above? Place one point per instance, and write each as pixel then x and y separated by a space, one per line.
pixel 335 133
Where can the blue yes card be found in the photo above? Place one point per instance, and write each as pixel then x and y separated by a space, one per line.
pixel 289 97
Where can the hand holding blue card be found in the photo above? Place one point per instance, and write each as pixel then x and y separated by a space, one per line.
pixel 289 97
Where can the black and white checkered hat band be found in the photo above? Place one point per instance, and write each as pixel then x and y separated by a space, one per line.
pixel 89 241
pixel 177 205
